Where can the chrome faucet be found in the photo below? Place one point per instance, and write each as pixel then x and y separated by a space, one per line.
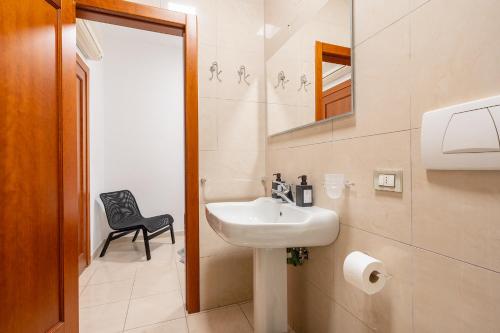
pixel 284 192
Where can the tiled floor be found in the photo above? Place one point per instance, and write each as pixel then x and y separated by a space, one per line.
pixel 123 292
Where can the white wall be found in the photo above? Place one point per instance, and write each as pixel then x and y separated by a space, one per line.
pixel 98 226
pixel 137 140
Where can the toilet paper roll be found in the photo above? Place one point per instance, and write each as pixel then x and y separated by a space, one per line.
pixel 364 272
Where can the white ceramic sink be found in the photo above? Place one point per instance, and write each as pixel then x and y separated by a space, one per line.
pixel 270 226
pixel 268 223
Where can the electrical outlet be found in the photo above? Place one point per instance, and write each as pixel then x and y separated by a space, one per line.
pixel 388 180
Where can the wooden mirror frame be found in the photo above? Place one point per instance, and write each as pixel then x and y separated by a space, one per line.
pixel 325 52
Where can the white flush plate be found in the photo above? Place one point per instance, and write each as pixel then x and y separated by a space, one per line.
pixel 462 137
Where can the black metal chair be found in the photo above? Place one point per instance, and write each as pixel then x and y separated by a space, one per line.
pixel 124 217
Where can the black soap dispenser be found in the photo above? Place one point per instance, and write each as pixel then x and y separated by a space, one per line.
pixel 304 193
pixel 275 185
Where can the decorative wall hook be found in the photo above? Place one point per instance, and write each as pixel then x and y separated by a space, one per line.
pixel 304 83
pixel 214 68
pixel 242 72
pixel 281 80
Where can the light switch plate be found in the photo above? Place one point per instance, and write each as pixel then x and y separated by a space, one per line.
pixel 382 180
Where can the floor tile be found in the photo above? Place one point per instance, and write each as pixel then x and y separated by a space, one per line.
pixel 181 274
pixel 224 320
pixel 155 278
pixel 123 290
pixel 155 309
pixel 107 318
pixel 111 273
pixel 247 309
pixel 84 278
pixel 103 293
pixel 173 326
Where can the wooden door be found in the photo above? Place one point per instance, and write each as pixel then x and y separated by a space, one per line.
pixel 336 101
pixel 38 272
pixel 82 111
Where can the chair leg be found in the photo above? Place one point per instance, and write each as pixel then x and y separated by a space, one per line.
pixel 172 234
pixel 146 243
pixel 105 248
pixel 135 236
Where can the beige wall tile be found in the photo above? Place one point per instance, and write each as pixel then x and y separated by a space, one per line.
pixel 319 268
pixel 206 12
pixel 275 164
pixel 314 161
pixel 372 16
pixel 296 283
pixel 206 55
pixel 417 3
pixel 343 321
pixel 280 117
pixel 390 310
pixel 311 310
pixel 207 115
pixel 452 296
pixel 218 165
pixel 316 133
pixel 236 278
pixel 382 85
pixel 226 279
pixel 279 141
pixel 384 213
pixel 211 244
pixel 287 59
pixel 454 54
pixel 231 175
pixel 241 125
pixel 464 224
pixel 232 190
pixel 232 58
pixel 239 23
pixel 209 283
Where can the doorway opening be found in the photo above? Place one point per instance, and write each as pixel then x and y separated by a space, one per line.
pixel 156 21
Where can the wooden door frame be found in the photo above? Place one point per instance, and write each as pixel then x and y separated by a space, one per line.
pixel 80 62
pixel 144 17
pixel 330 53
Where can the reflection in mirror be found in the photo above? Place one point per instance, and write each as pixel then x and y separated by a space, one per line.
pixel 308 62
pixel 333 85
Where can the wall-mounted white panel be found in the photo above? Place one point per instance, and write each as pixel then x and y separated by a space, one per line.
pixel 471 132
pixel 495 113
pixel 463 136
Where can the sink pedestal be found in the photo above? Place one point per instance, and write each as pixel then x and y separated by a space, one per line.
pixel 270 291
pixel 269 226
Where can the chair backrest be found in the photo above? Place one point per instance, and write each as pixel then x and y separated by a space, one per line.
pixel 120 206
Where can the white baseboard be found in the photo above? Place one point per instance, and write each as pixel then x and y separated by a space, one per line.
pixel 96 253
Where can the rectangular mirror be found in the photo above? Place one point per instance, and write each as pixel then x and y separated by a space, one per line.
pixel 308 62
